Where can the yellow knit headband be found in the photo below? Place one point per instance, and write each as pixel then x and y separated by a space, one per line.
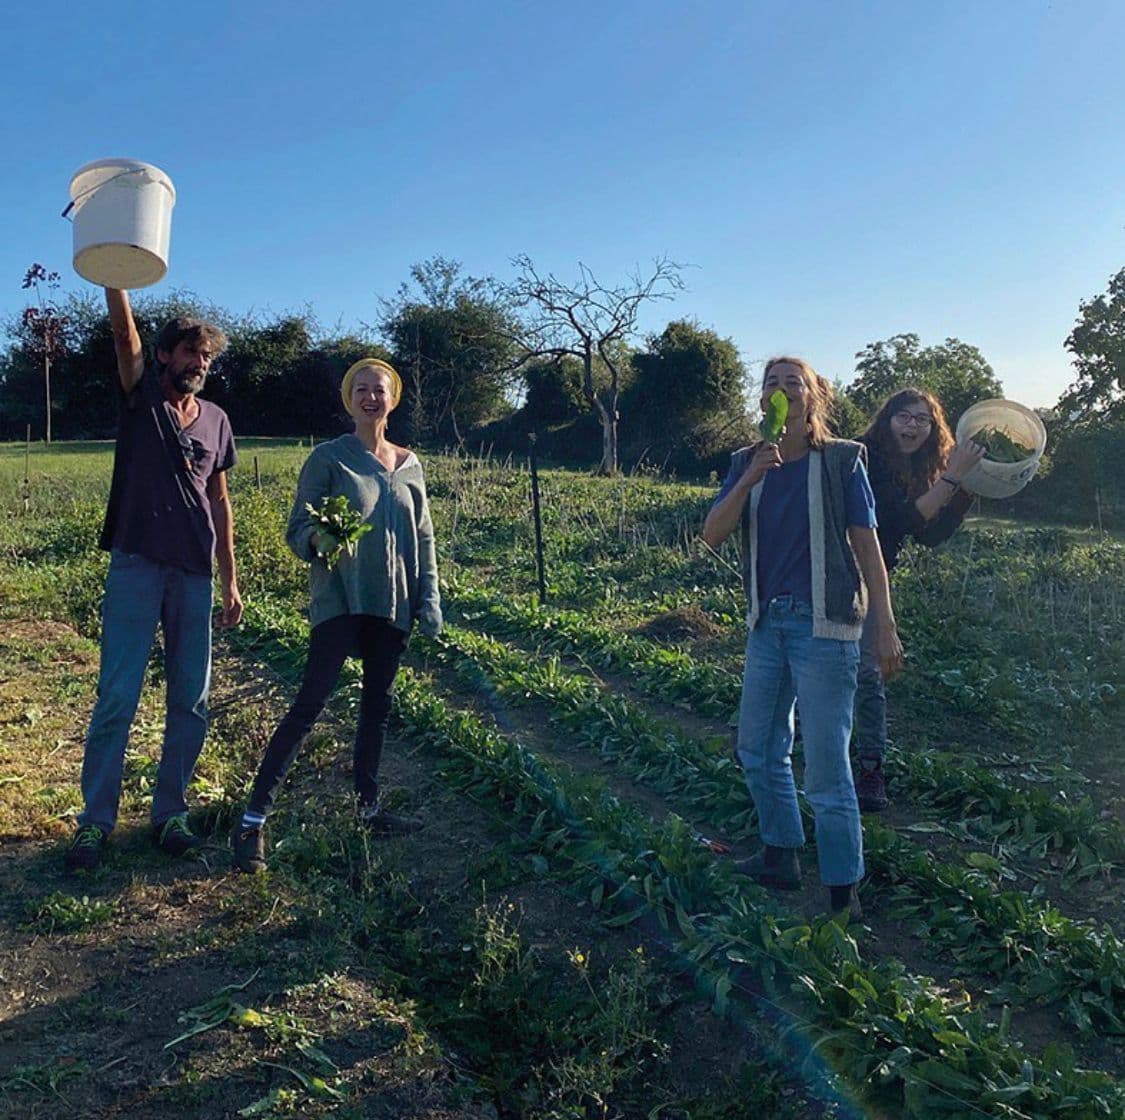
pixel 370 363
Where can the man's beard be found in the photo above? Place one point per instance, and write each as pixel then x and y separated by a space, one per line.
pixel 187 382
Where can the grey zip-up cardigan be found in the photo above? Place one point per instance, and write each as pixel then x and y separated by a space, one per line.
pixel 839 595
pixel 393 574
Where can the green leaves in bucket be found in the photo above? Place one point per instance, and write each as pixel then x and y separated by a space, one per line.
pixel 777 412
pixel 1000 447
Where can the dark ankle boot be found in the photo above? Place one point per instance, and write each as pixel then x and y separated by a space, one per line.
pixel 773 867
pixel 844 902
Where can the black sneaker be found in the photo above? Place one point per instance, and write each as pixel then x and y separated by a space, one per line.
pixel 85 851
pixel 249 848
pixel 174 837
pixel 871 786
pixel 773 867
pixel 381 823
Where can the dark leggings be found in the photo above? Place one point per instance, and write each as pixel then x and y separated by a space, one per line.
pixel 379 646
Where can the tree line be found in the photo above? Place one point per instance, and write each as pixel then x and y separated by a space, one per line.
pixel 489 362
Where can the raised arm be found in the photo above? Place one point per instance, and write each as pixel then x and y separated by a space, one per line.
pixel 126 340
pixel 962 459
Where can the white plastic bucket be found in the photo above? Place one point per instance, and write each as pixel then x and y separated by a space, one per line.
pixel 1002 480
pixel 122 214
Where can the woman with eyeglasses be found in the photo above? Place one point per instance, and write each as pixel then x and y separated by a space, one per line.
pixel 916 473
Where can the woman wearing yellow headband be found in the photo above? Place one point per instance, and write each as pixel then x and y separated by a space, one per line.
pixel 364 599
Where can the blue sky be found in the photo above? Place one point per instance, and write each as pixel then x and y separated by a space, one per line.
pixel 833 173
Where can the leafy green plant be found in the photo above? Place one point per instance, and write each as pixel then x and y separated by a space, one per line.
pixel 339 527
pixel 65 913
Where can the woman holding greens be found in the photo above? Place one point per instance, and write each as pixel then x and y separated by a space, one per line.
pixel 916 473
pixel 804 509
pixel 362 520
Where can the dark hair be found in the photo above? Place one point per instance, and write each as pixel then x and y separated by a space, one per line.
pixel 821 395
pixel 196 330
pixel 918 471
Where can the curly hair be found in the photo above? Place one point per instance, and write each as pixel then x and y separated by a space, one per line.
pixel 195 330
pixel 918 471
pixel 821 396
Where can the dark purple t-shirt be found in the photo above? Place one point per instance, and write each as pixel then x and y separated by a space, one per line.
pixel 158 505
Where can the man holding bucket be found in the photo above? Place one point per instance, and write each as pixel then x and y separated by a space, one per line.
pixel 168 519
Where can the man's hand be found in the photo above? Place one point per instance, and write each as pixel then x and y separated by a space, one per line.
pixel 232 607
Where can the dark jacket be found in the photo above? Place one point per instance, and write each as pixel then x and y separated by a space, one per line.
pixel 899 517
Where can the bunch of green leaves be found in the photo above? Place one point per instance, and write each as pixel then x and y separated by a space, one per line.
pixel 337 518
pixel 999 447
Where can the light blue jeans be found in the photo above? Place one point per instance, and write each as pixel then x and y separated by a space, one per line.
pixel 787 668
pixel 139 595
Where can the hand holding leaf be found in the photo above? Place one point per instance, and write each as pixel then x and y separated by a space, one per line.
pixel 772 425
pixel 338 528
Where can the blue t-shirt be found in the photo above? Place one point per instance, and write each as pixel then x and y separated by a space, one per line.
pixel 784 557
pixel 158 504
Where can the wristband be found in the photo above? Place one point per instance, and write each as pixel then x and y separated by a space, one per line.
pixel 951 482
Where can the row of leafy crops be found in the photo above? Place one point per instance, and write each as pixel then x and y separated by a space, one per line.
pixel 894 1033
pixel 1039 953
pixel 1031 817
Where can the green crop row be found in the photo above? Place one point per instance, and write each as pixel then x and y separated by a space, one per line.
pixel 1032 818
pixel 895 1033
pixel 1041 954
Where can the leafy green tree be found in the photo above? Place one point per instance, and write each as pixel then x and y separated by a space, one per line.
pixel 552 392
pixel 954 371
pixel 83 376
pixel 688 395
pixel 453 343
pixel 1097 343
pixel 848 420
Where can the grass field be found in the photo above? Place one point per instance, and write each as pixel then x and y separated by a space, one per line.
pixel 558 943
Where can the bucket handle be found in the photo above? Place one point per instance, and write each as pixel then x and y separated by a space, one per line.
pixel 90 190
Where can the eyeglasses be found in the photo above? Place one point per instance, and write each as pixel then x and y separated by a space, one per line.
pixel 920 420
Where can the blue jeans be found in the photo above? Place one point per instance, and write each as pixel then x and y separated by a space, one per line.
pixel 870 699
pixel 786 668
pixel 140 594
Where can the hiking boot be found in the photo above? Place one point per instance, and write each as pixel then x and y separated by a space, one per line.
pixel 248 847
pixel 871 786
pixel 773 867
pixel 381 823
pixel 85 851
pixel 174 837
pixel 844 904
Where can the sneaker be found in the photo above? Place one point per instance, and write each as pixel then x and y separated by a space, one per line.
pixel 382 823
pixel 249 848
pixel 773 867
pixel 844 904
pixel 174 837
pixel 871 786
pixel 85 851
